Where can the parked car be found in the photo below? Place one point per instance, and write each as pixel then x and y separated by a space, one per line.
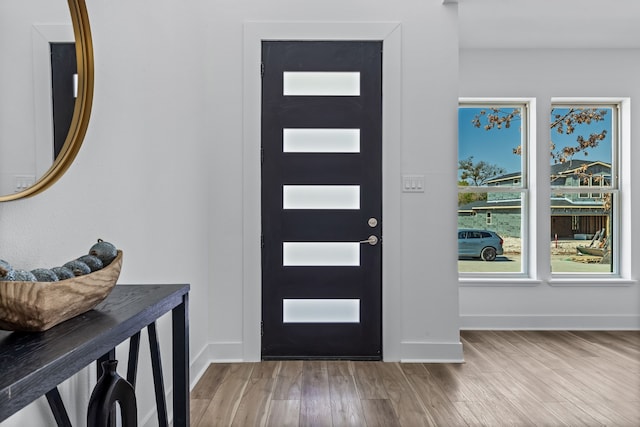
pixel 483 244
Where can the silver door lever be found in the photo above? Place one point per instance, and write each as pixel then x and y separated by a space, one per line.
pixel 372 240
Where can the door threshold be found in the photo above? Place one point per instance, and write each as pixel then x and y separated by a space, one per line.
pixel 327 358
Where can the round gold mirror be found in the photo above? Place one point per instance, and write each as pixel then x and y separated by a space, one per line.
pixel 25 170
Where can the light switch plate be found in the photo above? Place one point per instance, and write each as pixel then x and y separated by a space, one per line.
pixel 413 183
pixel 22 182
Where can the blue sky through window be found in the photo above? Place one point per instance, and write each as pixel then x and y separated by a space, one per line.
pixel 493 146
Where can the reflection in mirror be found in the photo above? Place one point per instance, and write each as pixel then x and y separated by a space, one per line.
pixel 49 88
pixel 33 34
pixel 64 73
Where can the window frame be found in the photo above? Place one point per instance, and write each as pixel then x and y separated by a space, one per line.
pixel 613 187
pixel 524 185
pixel 537 223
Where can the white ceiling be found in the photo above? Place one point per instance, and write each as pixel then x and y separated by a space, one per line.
pixel 549 23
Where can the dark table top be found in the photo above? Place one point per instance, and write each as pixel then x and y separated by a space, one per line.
pixel 32 363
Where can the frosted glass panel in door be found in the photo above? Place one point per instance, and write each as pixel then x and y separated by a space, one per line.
pixel 321 140
pixel 321 197
pixel 321 310
pixel 321 83
pixel 320 254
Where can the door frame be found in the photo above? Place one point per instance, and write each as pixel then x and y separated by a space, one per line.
pixel 390 34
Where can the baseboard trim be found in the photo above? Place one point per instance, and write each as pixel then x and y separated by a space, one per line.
pixel 431 352
pixel 550 322
pixel 226 352
pixel 198 366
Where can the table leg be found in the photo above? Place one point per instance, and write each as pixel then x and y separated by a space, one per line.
pixel 158 381
pixel 180 323
pixel 57 407
pixel 132 365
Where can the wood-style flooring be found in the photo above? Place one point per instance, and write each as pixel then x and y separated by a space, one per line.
pixel 509 378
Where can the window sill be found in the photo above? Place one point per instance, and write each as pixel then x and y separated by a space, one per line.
pixel 592 282
pixel 497 282
pixel 471 282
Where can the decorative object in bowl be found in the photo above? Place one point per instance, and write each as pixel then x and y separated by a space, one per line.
pixel 38 306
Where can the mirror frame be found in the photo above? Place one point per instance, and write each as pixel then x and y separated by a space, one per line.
pixel 82 110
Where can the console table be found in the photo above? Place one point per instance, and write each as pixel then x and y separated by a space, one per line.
pixel 33 364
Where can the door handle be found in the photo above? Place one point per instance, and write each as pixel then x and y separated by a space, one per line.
pixel 372 240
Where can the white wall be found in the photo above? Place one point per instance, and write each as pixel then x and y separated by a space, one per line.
pixel 140 180
pixel 543 74
pixel 549 24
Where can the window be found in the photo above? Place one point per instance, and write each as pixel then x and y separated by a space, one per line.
pixel 492 187
pixel 588 178
pixel 584 185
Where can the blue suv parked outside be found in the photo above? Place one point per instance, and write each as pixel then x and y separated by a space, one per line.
pixel 483 244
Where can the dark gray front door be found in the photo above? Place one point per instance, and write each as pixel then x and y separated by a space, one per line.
pixel 322 199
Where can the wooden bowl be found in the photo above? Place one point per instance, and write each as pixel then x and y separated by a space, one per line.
pixel 38 306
